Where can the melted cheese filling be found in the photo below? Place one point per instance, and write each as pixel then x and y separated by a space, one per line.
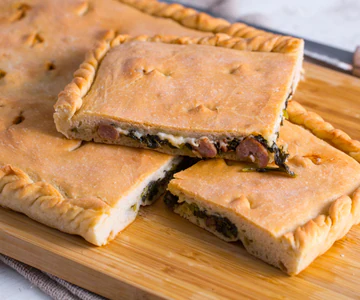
pixel 176 141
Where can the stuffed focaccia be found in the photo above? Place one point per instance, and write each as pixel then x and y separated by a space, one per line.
pixel 284 221
pixel 87 189
pixel 80 188
pixel 209 97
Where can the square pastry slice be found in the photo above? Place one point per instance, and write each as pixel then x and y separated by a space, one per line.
pixel 284 221
pixel 208 97
pixel 87 189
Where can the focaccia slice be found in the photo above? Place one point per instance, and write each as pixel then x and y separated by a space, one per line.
pixel 208 97
pixel 86 189
pixel 284 221
pixel 80 188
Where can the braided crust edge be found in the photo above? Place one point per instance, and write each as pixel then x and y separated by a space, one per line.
pixel 42 202
pixel 71 98
pixel 191 18
pixel 323 130
pixel 316 236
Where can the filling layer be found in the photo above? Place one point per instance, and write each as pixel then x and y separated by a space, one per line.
pixel 157 187
pixel 252 148
pixel 211 221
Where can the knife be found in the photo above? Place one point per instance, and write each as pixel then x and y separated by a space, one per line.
pixel 328 56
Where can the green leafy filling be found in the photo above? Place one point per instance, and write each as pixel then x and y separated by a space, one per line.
pixel 155 188
pixel 153 142
pixel 213 221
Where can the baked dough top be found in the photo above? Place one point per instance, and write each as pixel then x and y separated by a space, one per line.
pixel 86 171
pixel 41 44
pixel 192 87
pixel 272 201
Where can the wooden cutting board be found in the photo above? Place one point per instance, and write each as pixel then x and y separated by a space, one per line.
pixel 161 254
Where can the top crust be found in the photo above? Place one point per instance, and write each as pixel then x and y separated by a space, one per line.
pixel 303 198
pixel 291 220
pixel 73 186
pixel 87 97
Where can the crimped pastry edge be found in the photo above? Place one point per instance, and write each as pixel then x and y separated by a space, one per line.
pixel 89 217
pixel 193 19
pixel 71 98
pixel 323 130
pixel 317 236
pixel 44 203
pixel 295 250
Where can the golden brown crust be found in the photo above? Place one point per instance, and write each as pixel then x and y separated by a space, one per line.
pixel 70 100
pixel 320 208
pixel 42 202
pixel 58 33
pixel 193 19
pixel 323 130
pixel 316 236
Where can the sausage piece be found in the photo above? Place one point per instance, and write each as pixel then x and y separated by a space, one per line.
pixel 107 132
pixel 250 146
pixel 206 148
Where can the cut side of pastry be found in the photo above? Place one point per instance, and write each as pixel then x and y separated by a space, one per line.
pixel 207 97
pixel 96 220
pixel 81 188
pixel 287 222
pixel 86 189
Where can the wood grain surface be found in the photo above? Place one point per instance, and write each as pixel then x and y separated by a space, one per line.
pixel 163 255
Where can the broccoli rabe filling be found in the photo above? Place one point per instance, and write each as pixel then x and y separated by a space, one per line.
pixel 212 221
pixel 280 156
pixel 157 187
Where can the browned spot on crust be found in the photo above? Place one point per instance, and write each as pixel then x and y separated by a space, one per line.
pixel 316 159
pixel 236 70
pixel 50 66
pixel 248 148
pixel 34 39
pixel 2 74
pixel 18 119
pixel 201 108
pixel 107 132
pixel 206 148
pixel 82 8
pixel 20 13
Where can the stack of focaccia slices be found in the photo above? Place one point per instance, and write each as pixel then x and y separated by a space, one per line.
pixel 95 190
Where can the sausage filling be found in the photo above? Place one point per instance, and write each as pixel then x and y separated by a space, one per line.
pixel 252 148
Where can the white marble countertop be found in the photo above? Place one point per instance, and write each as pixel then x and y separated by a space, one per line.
pixel 332 22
